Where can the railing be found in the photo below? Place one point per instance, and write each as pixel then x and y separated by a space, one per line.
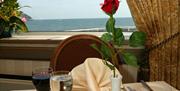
pixel 125 29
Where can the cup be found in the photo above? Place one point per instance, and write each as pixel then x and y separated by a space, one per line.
pixel 61 81
pixel 40 78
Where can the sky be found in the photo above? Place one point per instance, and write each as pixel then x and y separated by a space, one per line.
pixel 69 9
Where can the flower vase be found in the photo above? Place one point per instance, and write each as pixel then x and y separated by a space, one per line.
pixel 116 83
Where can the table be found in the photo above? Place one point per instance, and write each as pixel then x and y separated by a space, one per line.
pixel 24 85
pixel 14 84
pixel 156 86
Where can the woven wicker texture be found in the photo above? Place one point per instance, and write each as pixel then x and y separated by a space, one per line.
pixel 160 20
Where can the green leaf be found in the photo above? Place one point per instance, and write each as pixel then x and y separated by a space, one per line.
pixel 105 51
pixel 107 37
pixel 137 39
pixel 15 20
pixel 119 37
pixel 11 29
pixel 3 24
pixel 111 66
pixel 130 59
pixel 18 28
pixel 95 47
pixel 110 25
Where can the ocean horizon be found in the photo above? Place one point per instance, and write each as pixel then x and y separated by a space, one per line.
pixel 85 24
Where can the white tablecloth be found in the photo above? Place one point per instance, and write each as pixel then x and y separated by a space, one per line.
pixel 23 85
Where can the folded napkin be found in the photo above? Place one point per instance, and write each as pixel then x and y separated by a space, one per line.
pixel 92 75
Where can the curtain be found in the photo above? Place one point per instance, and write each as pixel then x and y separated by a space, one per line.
pixel 160 20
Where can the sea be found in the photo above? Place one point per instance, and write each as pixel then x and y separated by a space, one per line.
pixel 87 24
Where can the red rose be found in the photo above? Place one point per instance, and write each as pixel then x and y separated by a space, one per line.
pixel 110 6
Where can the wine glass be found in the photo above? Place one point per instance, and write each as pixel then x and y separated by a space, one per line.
pixel 61 81
pixel 40 78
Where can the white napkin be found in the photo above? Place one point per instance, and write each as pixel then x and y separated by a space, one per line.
pixel 92 75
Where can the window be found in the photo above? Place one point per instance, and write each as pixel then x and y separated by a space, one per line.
pixel 72 15
pixel 57 15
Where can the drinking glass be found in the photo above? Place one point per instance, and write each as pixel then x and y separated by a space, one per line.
pixel 40 78
pixel 61 81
